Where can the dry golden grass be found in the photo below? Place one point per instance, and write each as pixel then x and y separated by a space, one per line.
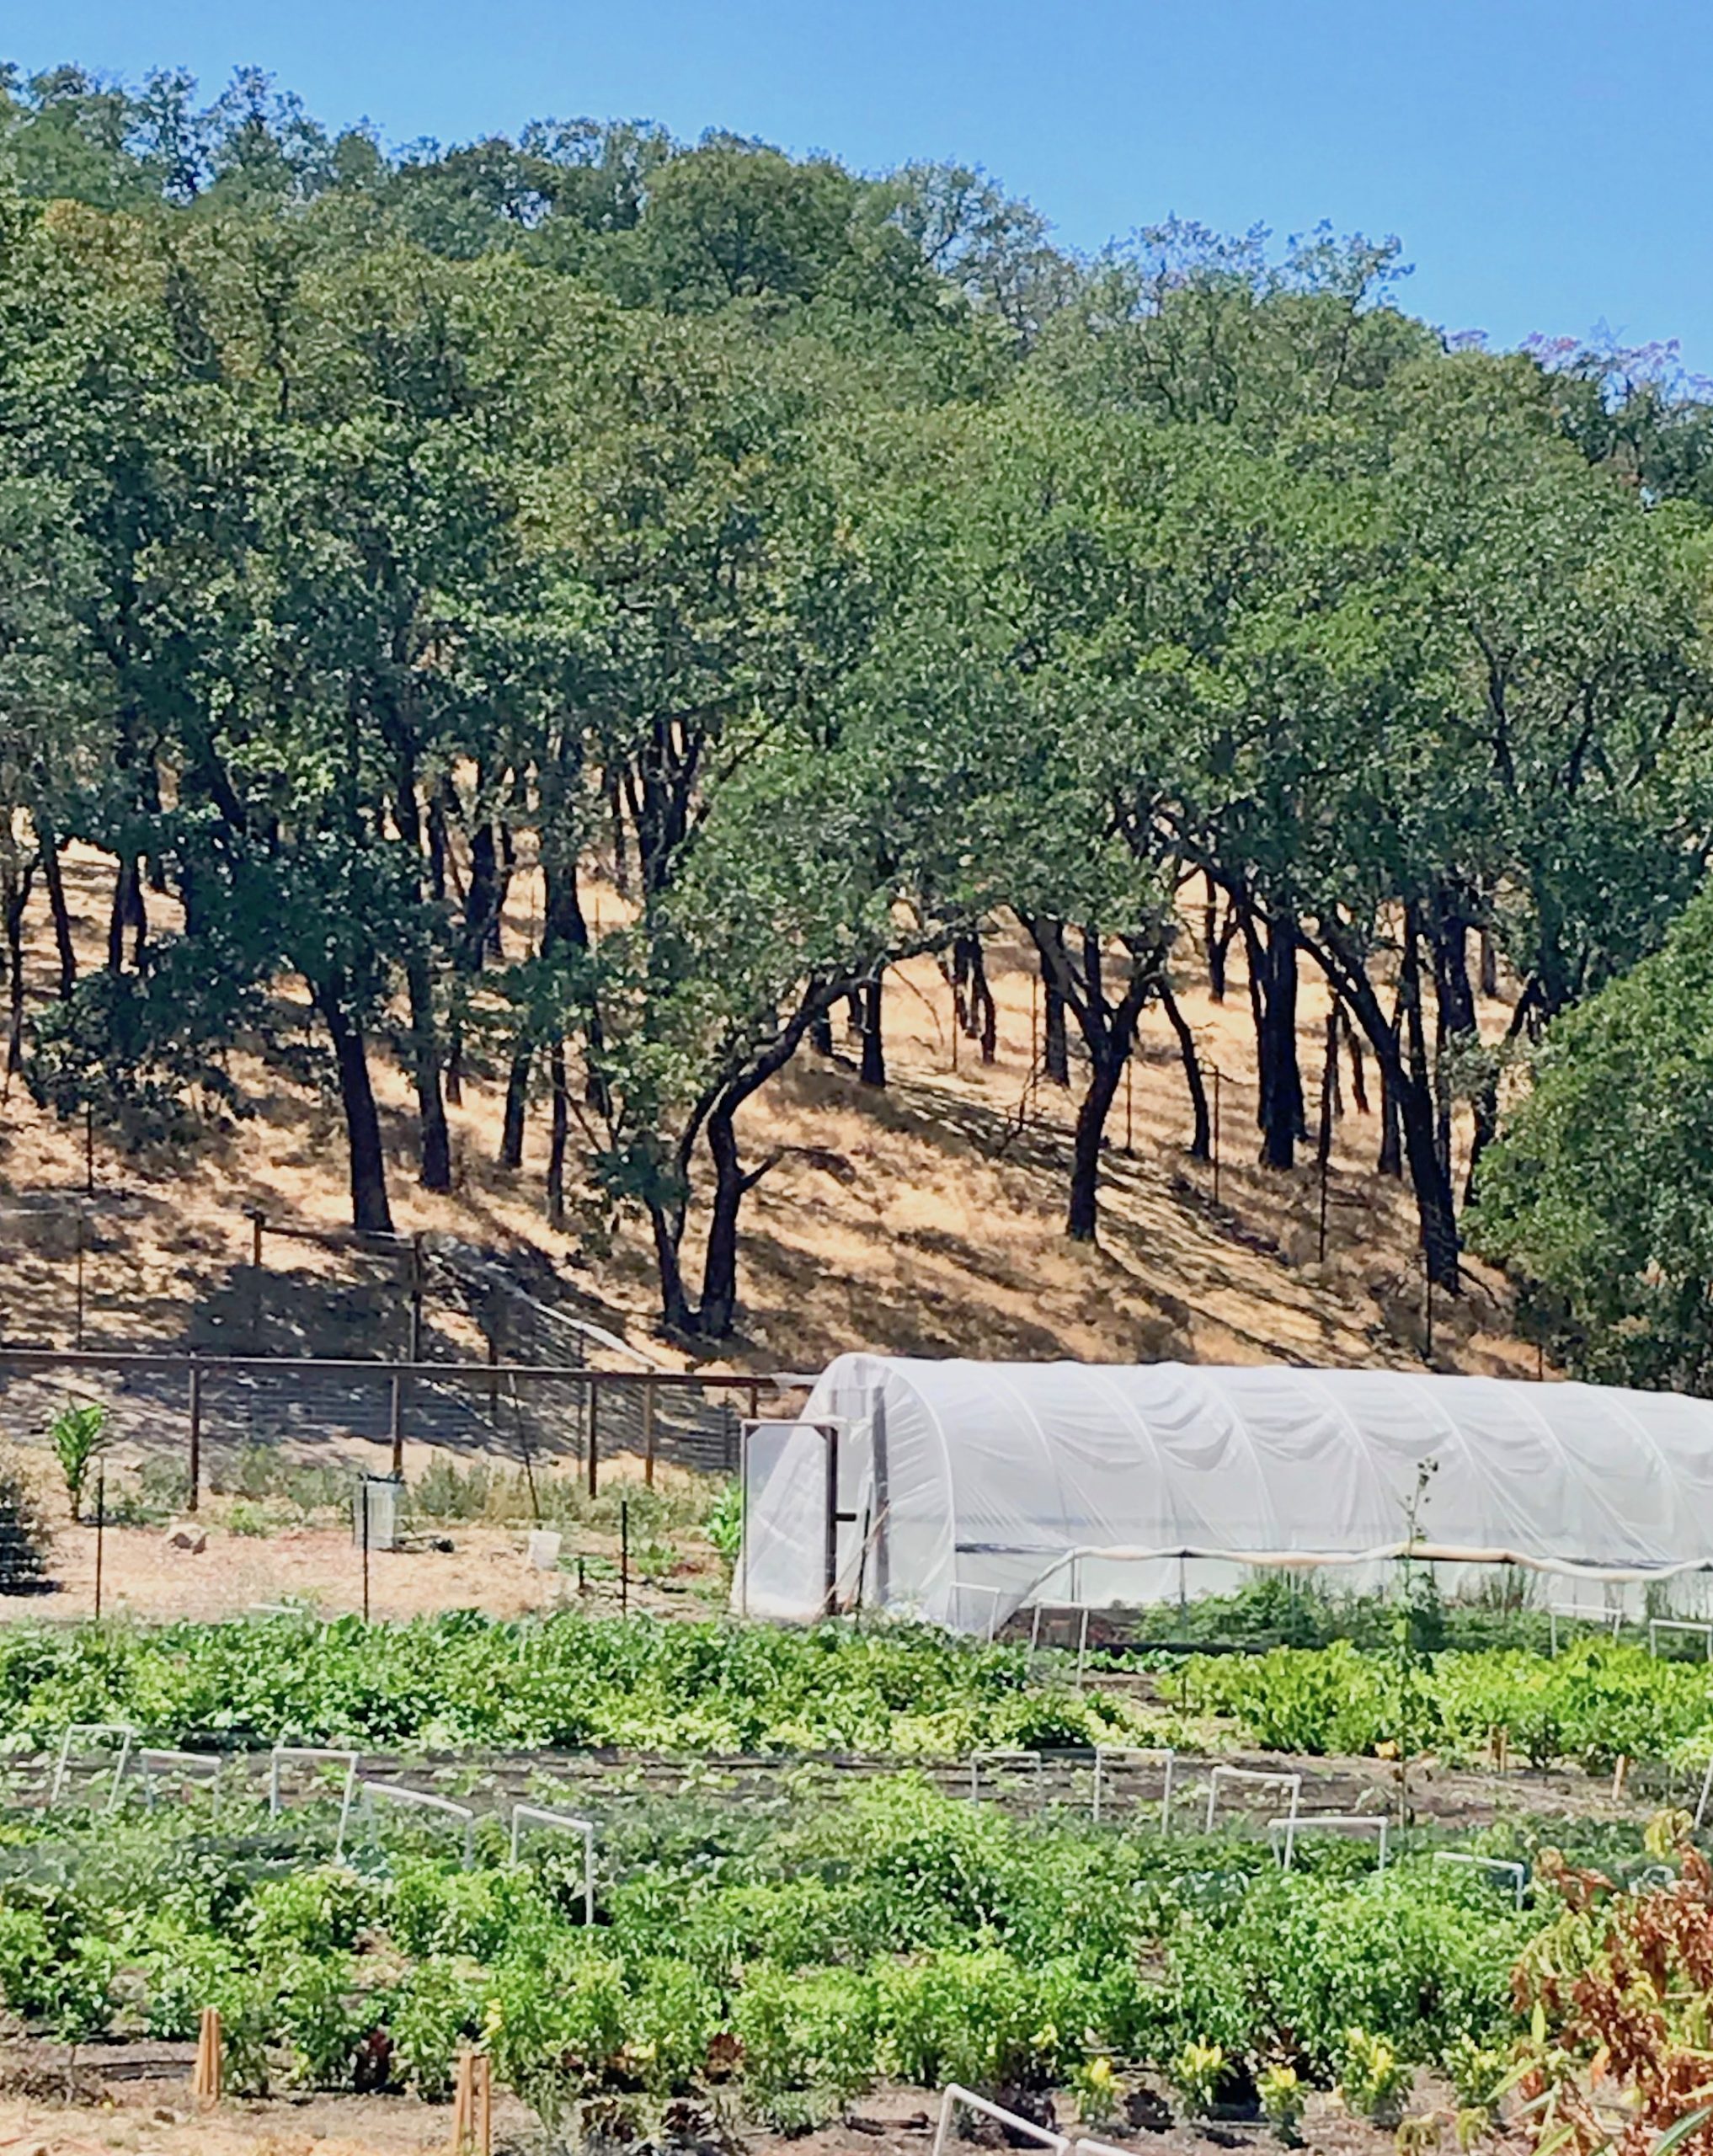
pixel 926 1218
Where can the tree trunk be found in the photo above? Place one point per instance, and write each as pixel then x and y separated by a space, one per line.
pixel 55 882
pixel 1489 962
pixel 1400 1051
pixel 1055 1047
pixel 1082 1214
pixel 560 1130
pixel 434 1140
pixel 1202 1144
pixel 872 1071
pixel 974 995
pixel 1358 1077
pixel 1217 932
pixel 517 1100
pixel 1108 1031
pixel 1273 970
pixel 821 1034
pixel 720 1274
pixel 1390 1161
pixel 17 898
pixel 676 1317
pixel 128 912
pixel 482 904
pixel 370 1210
pixel 1332 1093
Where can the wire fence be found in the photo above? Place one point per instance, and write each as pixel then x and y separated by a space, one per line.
pixel 208 1409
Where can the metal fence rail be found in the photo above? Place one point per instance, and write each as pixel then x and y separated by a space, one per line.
pixel 209 1408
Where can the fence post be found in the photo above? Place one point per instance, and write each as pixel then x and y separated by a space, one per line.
pixel 196 1436
pixel 593 1441
pixel 395 1421
pixel 257 1217
pixel 416 1284
pixel 647 1433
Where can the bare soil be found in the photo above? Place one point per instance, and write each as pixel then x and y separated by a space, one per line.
pixel 157 2117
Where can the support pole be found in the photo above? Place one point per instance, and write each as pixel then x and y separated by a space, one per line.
pixel 363 1488
pixel 257 1219
pixel 594 1439
pixel 648 1434
pixel 625 1557
pixel 395 1422
pixel 416 1292
pixel 832 1541
pixel 1324 1151
pixel 80 1282
pixel 100 1532
pixel 194 1500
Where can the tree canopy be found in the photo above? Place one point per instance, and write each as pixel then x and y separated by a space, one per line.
pixel 824 564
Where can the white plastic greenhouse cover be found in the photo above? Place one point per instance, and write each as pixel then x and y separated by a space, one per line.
pixel 969 1490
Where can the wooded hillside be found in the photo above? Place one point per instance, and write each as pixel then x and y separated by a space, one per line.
pixel 606 629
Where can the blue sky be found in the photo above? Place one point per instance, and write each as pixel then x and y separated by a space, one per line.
pixel 1547 166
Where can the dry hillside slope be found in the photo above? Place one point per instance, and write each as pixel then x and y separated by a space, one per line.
pixel 926 1218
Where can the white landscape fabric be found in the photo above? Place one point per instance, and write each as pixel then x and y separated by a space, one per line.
pixel 974 1488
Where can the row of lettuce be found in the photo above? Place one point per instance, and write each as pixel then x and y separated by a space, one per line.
pixel 802 1954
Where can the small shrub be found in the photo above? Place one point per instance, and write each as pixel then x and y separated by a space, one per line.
pixel 438 2007
pixel 78 1435
pixel 24 1540
pixel 1283 2098
pixel 1199 2070
pixel 1098 2091
pixel 724 1524
pixel 1372 2080
pixel 319 2019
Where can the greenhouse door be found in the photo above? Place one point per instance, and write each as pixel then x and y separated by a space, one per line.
pixel 789 1561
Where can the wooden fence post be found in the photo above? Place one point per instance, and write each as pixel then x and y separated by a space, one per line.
pixel 208 2079
pixel 472 2106
pixel 647 1433
pixel 594 1441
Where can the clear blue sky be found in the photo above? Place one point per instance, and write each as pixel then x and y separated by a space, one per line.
pixel 1547 166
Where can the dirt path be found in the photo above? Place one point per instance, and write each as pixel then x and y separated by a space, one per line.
pixel 158 2118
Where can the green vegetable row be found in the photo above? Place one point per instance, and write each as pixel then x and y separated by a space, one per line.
pixel 462 1681
pixel 903 1934
pixel 1596 1702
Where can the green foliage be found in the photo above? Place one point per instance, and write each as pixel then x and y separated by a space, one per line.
pixel 1283 2101
pixel 1199 2070
pixel 1599 1189
pixel 1372 2080
pixel 78 1434
pixel 724 1524
pixel 1596 1700
pixel 908 1935
pixel 24 1539
pixel 462 1680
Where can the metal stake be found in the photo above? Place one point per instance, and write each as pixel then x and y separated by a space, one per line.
pixel 624 1557
pixel 196 1498
pixel 100 1532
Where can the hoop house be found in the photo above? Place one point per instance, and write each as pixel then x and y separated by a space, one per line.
pixel 960 1492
